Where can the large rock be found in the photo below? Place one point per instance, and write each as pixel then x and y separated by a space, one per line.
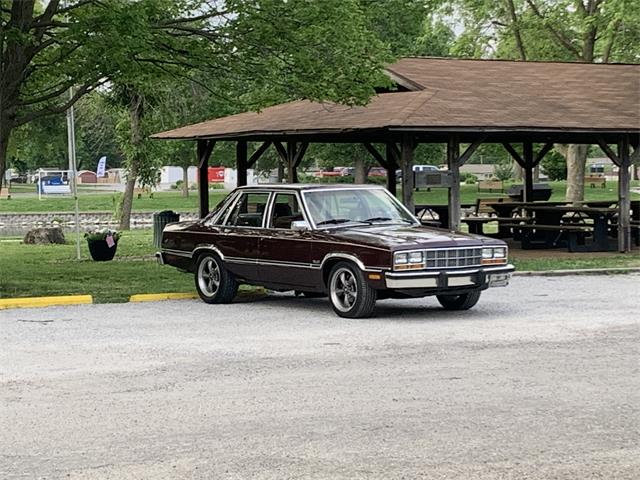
pixel 44 236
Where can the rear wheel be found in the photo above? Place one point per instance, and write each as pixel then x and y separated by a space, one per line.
pixel 463 301
pixel 349 293
pixel 213 282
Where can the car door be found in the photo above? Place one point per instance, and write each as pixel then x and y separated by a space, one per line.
pixel 240 234
pixel 285 252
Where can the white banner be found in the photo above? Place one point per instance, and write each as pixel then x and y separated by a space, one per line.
pixel 102 163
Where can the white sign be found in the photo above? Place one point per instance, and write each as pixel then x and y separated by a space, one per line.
pixel 102 163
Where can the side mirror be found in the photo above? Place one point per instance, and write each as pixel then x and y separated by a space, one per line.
pixel 300 225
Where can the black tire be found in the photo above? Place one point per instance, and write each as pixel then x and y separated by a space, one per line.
pixel 464 301
pixel 349 293
pixel 209 270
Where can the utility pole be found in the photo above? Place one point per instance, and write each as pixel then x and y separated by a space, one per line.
pixel 73 167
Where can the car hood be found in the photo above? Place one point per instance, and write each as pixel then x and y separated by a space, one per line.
pixel 400 237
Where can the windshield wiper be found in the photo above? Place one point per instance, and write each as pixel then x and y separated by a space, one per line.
pixel 334 221
pixel 385 219
pixel 377 219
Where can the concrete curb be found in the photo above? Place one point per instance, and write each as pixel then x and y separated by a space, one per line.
pixel 584 271
pixel 154 297
pixel 33 302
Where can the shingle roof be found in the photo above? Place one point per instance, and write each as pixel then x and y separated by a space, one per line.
pixel 455 93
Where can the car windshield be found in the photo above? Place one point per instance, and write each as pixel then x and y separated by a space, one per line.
pixel 343 207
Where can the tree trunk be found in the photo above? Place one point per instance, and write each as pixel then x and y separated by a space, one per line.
pixel 185 181
pixel 360 170
pixel 515 29
pixel 518 172
pixel 536 173
pixel 576 156
pixel 280 171
pixel 127 202
pixel 135 118
pixel 4 146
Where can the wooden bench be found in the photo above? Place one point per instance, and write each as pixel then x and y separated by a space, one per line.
pixel 491 185
pixel 534 235
pixel 594 181
pixel 483 213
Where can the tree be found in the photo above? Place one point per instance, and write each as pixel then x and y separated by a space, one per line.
pixel 43 142
pixel 315 50
pixel 568 30
pixel 40 59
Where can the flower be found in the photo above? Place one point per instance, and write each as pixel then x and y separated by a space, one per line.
pixel 93 235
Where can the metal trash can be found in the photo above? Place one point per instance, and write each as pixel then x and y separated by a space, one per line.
pixel 160 220
pixel 541 192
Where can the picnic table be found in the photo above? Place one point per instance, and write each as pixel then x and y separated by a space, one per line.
pixel 552 225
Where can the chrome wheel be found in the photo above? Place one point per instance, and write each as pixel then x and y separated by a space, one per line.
pixel 344 289
pixel 209 276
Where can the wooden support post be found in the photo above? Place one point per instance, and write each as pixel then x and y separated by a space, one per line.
pixel 389 162
pixel 392 165
pixel 527 153
pixel 204 149
pixel 406 163
pixel 453 156
pixel 255 156
pixel 282 153
pixel 292 174
pixel 241 163
pixel 624 199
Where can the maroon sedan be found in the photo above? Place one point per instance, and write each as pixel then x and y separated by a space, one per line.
pixel 355 244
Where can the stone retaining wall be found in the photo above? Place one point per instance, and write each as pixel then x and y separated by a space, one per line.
pixel 86 218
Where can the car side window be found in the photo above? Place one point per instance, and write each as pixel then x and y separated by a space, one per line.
pixel 219 213
pixel 286 210
pixel 249 210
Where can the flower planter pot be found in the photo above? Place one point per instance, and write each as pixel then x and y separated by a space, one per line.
pixel 100 251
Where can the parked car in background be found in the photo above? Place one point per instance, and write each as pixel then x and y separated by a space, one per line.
pixel 355 243
pixel 419 168
pixel 377 172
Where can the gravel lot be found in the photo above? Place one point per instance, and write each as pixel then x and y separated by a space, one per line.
pixel 539 381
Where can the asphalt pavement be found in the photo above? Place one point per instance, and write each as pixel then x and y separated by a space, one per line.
pixel 539 381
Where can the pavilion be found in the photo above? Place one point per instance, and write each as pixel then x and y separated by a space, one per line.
pixel 452 101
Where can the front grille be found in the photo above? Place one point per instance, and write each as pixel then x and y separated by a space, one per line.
pixel 454 257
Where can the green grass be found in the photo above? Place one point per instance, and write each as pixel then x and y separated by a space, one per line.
pixel 90 201
pixel 93 202
pixel 43 270
pixel 469 193
pixel 577 262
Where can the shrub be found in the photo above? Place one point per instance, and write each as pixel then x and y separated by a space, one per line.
pixel 468 178
pixel 554 165
pixel 503 170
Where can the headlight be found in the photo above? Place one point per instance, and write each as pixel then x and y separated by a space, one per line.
pixel 408 261
pixel 415 257
pixel 494 255
pixel 401 258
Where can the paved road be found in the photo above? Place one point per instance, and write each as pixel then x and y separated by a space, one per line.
pixel 540 381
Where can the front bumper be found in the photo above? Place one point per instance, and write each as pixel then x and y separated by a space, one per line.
pixel 480 277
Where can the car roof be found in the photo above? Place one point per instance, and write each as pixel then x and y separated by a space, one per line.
pixel 309 186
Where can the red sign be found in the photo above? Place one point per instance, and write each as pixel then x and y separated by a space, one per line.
pixel 216 174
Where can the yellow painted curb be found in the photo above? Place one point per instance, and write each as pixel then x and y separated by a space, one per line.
pixel 31 302
pixel 154 297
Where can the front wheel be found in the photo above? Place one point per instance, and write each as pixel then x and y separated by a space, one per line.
pixel 350 294
pixel 463 301
pixel 213 282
